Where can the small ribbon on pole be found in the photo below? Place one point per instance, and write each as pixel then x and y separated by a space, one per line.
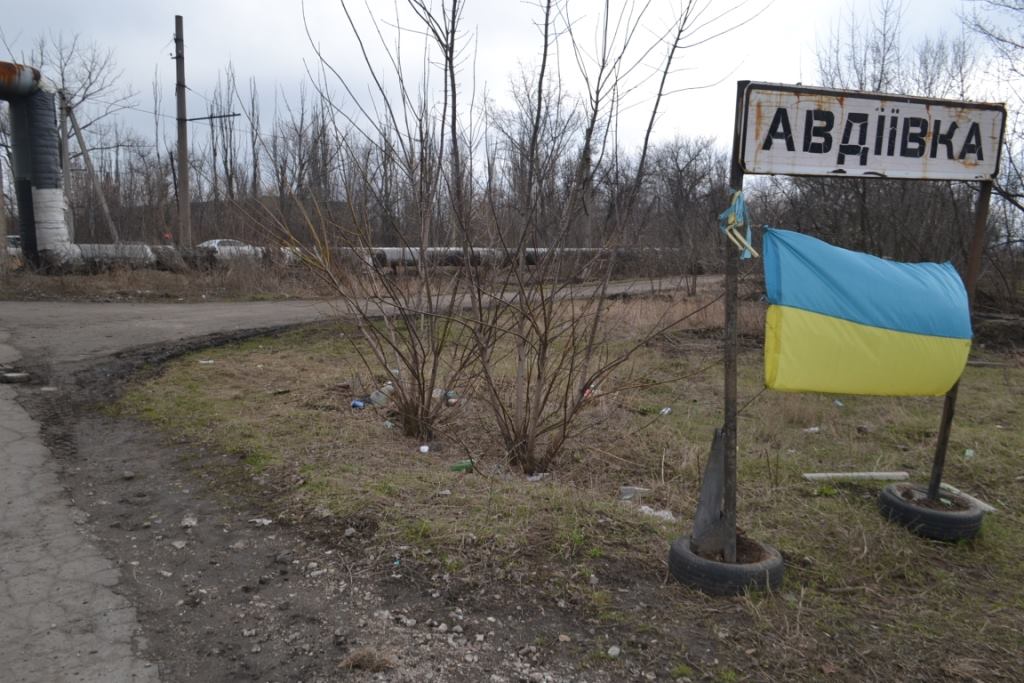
pixel 732 220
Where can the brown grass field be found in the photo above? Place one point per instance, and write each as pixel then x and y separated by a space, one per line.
pixel 862 599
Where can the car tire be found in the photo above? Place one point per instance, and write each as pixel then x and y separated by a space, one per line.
pixel 725 578
pixel 941 525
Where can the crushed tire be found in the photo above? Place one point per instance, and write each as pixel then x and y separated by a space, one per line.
pixel 941 525
pixel 724 578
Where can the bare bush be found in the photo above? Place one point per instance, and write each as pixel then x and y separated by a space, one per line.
pixel 521 323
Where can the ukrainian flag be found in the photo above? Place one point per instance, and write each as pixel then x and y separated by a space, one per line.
pixel 849 323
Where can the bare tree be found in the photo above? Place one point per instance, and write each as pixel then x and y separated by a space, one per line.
pixel 1000 24
pixel 425 169
pixel 906 220
pixel 690 177
pixel 87 73
pixel 868 58
pixel 93 87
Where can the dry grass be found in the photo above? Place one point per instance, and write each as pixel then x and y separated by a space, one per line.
pixel 366 659
pixel 238 280
pixel 633 317
pixel 863 599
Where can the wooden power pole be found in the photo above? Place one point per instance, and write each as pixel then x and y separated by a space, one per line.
pixel 65 165
pixel 184 198
pixel 65 106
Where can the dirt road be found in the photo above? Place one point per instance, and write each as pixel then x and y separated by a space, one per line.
pixel 63 332
pixel 105 576
pixel 63 615
pixel 68 332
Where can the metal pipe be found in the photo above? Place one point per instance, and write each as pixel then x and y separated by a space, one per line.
pixel 18 80
pixel 36 171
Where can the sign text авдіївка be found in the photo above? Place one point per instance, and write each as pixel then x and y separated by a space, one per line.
pixel 809 131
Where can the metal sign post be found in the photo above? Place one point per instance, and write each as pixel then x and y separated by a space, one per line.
pixel 971 284
pixel 714 531
pixel 793 130
pixel 732 266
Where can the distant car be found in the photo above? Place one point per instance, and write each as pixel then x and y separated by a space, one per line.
pixel 14 246
pixel 228 249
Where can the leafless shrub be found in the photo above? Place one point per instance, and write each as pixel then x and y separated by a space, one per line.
pixel 424 167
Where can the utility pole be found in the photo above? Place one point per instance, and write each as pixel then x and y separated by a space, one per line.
pixel 90 168
pixel 184 197
pixel 65 165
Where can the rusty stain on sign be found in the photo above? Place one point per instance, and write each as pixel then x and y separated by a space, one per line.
pixel 795 130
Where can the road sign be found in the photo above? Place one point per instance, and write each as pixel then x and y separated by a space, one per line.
pixel 794 130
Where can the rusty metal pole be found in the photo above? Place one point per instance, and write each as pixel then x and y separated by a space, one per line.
pixel 731 343
pixel 974 254
pixel 184 196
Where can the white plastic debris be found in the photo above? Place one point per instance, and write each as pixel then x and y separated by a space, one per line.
pixel 873 476
pixel 660 514
pixel 261 521
pixel 812 430
pixel 424 449
pixel 667 410
pixel 633 493
pixel 980 503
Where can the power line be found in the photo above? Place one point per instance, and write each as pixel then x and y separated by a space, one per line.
pixel 211 117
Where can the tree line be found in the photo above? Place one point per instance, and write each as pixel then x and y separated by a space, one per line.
pixel 551 147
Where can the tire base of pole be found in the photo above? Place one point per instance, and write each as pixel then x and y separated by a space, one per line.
pixel 727 578
pixel 903 504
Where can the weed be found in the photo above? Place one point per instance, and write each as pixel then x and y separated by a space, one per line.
pixel 826 490
pixel 419 531
pixel 727 676
pixel 681 671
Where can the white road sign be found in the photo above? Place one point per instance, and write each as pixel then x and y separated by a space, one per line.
pixel 794 130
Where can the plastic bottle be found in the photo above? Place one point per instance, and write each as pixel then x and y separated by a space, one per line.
pixel 381 396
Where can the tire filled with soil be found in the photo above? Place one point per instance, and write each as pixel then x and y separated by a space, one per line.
pixel 950 517
pixel 758 566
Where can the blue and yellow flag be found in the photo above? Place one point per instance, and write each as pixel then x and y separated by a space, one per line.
pixel 850 323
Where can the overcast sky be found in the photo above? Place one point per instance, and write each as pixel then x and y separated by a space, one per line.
pixel 267 39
